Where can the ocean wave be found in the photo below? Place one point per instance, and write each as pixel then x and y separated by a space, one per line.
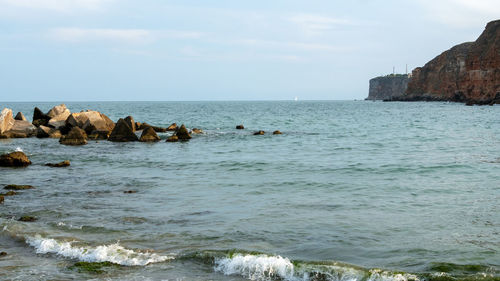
pixel 114 253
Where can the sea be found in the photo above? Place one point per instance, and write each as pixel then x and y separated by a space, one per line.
pixel 350 191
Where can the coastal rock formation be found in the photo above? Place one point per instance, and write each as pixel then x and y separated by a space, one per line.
pixel 20 116
pixel 172 127
pixel 14 159
pixel 130 122
pixel 91 121
pixel 469 72
pixel 173 138
pixel 64 163
pixel 21 129
pixel 47 132
pixel 182 133
pixel 58 115
pixel 76 136
pixel 122 132
pixel 6 120
pixel 142 126
pixel 149 135
pixel 388 87
pixel 40 118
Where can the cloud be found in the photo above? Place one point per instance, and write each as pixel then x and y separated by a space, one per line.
pixel 462 13
pixel 269 44
pixel 312 24
pixel 55 5
pixel 134 36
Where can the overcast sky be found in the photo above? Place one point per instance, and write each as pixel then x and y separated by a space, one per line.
pixel 86 50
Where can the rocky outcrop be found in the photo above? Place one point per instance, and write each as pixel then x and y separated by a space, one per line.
pixel 76 136
pixel 40 118
pixel 58 115
pixel 14 159
pixel 469 72
pixel 20 116
pixel 172 127
pixel 90 121
pixel 149 135
pixel 387 87
pixel 21 129
pixel 130 122
pixel 6 120
pixel 47 132
pixel 182 133
pixel 122 132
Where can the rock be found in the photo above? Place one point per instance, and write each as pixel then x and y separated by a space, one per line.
pixel 277 132
pixel 64 163
pixel 172 127
pixel 9 193
pixel 6 120
pixel 2 199
pixel 259 133
pixel 149 135
pixel 182 133
pixel 14 159
pixel 58 110
pixel 90 121
pixel 3 254
pixel 27 219
pixel 468 73
pixel 240 127
pixel 130 122
pixel 40 118
pixel 76 136
pixel 58 115
pixel 122 132
pixel 388 87
pixel 46 132
pixel 196 131
pixel 20 116
pixel 130 191
pixel 18 187
pixel 173 138
pixel 98 135
pixel 22 129
pixel 144 125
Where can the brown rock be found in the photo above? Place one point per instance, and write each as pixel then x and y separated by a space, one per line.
pixel 1 199
pixel 20 116
pixel 9 193
pixel 6 120
pixel 277 132
pixel 39 118
pixel 22 129
pixel 58 110
pixel 196 131
pixel 46 132
pixel 17 187
pixel 130 191
pixel 258 133
pixel 122 132
pixel 130 122
pixel 240 127
pixel 90 121
pixel 14 159
pixel 27 219
pixel 98 135
pixel 145 125
pixel 173 138
pixel 149 135
pixel 64 163
pixel 172 127
pixel 3 254
pixel 76 136
pixel 182 133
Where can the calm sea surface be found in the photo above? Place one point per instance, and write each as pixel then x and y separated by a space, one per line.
pixel 350 191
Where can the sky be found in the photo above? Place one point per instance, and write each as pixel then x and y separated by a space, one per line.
pixel 173 50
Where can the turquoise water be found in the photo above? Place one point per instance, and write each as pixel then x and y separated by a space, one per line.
pixel 349 191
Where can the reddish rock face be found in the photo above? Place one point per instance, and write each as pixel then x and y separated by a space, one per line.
pixel 469 72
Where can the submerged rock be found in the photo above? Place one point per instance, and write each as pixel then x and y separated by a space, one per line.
pixel 20 116
pixel 64 163
pixel 3 254
pixel 173 138
pixel 6 120
pixel 142 126
pixel 9 193
pixel 258 133
pixel 172 127
pixel 27 219
pixel 240 127
pixel 76 136
pixel 149 135
pixel 196 131
pixel 130 191
pixel 18 187
pixel 14 159
pixel 277 132
pixel 182 133
pixel 122 132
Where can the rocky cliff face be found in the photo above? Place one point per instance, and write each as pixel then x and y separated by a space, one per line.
pixel 469 72
pixel 387 87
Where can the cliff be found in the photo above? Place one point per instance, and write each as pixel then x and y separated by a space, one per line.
pixel 387 87
pixel 469 72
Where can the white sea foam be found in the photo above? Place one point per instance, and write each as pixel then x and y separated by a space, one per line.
pixel 256 267
pixel 112 253
pixel 19 149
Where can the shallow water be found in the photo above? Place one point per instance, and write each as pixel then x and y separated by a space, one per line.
pixel 411 189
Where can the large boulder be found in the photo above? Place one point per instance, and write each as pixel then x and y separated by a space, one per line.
pixel 47 132
pixel 172 127
pixel 40 118
pixel 20 116
pixel 21 129
pixel 90 121
pixel 76 136
pixel 182 133
pixel 130 122
pixel 149 135
pixel 6 120
pixel 58 115
pixel 14 159
pixel 122 132
pixel 142 126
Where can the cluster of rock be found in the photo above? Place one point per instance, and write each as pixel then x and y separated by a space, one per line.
pixel 468 73
pixel 389 87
